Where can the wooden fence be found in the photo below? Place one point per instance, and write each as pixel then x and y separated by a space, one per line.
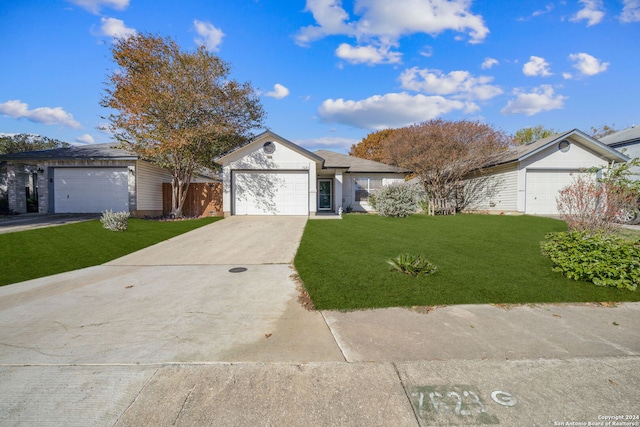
pixel 203 199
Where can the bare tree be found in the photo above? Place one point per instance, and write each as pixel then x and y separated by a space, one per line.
pixel 442 152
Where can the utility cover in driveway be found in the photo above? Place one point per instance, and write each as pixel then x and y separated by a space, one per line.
pixel 271 193
pixel 91 190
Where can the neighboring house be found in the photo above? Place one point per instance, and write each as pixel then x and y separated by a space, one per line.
pixel 527 178
pixel 626 141
pixel 273 176
pixel 84 179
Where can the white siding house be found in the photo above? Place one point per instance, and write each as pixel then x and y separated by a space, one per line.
pixel 85 179
pixel 528 178
pixel 273 176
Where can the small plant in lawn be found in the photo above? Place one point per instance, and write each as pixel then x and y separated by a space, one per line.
pixel 605 260
pixel 399 200
pixel 115 221
pixel 413 265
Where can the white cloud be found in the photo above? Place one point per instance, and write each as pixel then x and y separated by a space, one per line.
pixel 46 115
pixel 331 18
pixel 567 76
pixel 94 6
pixel 367 54
pixel 278 92
pixel 630 11
pixel 459 84
pixel 327 142
pixel 489 63
pixel 540 99
pixel 115 28
pixel 85 139
pixel 382 23
pixel 388 111
pixel 587 64
pixel 536 66
pixel 544 11
pixel 591 12
pixel 211 37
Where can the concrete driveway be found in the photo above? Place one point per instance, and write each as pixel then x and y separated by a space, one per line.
pixel 174 302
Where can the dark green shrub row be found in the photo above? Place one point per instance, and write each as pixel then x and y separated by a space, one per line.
pixel 603 259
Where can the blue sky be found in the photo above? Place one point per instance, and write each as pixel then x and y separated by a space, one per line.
pixel 329 72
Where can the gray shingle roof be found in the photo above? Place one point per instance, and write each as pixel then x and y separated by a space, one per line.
pixel 624 136
pixel 355 164
pixel 521 152
pixel 92 151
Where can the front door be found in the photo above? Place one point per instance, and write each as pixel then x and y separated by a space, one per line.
pixel 324 194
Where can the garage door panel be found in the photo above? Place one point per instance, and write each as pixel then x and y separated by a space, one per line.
pixel 543 187
pixel 271 193
pixel 90 190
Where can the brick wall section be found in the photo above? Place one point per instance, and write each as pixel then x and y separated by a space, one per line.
pixel 203 199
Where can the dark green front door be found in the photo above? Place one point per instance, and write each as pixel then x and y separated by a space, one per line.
pixel 324 194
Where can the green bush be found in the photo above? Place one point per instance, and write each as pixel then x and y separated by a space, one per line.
pixel 413 265
pixel 398 200
pixel 115 221
pixel 603 259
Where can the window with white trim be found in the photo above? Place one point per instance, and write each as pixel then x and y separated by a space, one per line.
pixel 366 187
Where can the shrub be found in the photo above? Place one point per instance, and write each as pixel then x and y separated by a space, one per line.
pixel 398 200
pixel 115 221
pixel 413 265
pixel 596 204
pixel 605 260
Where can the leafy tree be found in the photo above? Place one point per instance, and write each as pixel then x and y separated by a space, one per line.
pixel 442 152
pixel 604 130
pixel 371 147
pixel 531 134
pixel 24 142
pixel 177 109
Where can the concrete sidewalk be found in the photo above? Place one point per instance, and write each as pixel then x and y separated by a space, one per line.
pixel 170 336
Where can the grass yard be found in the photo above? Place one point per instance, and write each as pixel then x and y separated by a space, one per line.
pixel 481 259
pixel 42 252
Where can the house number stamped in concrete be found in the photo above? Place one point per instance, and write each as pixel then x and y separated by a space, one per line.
pixel 453 404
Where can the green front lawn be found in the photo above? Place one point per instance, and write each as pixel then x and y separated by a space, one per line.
pixel 42 252
pixel 481 259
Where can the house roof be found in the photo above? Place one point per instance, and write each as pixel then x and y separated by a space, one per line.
pixel 521 152
pixel 267 136
pixel 622 137
pixel 92 152
pixel 355 164
pixel 328 159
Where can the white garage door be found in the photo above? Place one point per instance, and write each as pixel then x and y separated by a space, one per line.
pixel 90 190
pixel 542 188
pixel 271 193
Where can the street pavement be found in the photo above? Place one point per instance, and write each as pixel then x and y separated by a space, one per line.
pixel 171 336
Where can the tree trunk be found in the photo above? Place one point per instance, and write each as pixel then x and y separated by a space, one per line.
pixel 179 188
